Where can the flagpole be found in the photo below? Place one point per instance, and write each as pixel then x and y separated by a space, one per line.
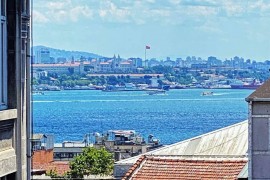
pixel 145 56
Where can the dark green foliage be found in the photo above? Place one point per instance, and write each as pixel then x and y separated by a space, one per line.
pixel 92 161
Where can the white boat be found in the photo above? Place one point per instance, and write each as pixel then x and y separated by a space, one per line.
pixel 37 93
pixel 207 93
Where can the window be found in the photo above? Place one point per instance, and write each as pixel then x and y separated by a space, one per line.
pixel 3 57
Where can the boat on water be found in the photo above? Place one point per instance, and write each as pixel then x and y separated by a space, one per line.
pixel 37 93
pixel 155 91
pixel 126 87
pixel 166 87
pixel 207 93
pixel 245 86
pixel 251 84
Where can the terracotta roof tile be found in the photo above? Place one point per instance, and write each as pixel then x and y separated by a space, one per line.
pixel 168 168
pixel 61 167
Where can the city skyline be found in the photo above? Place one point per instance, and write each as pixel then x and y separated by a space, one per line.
pixel 173 28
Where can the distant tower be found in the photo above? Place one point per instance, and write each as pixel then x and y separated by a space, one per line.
pixel 72 60
pixel 81 67
pixel 43 56
pixel 116 62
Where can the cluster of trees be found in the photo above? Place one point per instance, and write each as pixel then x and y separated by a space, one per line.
pixel 84 80
pixel 91 162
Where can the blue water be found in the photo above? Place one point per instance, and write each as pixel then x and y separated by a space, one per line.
pixel 178 115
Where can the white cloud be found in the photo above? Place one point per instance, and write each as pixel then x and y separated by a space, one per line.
pixel 211 27
pixel 260 8
pixel 141 12
pixel 58 5
pixel 175 2
pixel 39 17
pixel 109 11
pixel 200 11
pixel 62 11
pixel 78 11
pixel 233 8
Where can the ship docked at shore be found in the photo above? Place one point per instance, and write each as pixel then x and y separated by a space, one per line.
pixel 126 87
pixel 155 91
pixel 245 85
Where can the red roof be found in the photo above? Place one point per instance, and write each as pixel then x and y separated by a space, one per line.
pixel 60 166
pixel 170 168
pixel 131 75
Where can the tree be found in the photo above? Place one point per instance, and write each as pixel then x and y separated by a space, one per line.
pixel 92 161
pixel 112 80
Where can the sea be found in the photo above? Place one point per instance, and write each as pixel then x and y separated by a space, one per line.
pixel 172 117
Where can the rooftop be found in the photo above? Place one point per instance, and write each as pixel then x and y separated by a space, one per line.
pixel 38 136
pixel 226 142
pixel 131 75
pixel 151 167
pixel 57 65
pixel 60 167
pixel 262 93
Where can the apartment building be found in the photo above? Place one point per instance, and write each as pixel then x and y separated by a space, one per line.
pixel 67 68
pixel 14 90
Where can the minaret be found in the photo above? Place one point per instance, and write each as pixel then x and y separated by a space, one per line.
pixel 72 60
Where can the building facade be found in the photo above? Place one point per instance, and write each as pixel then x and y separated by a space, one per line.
pixel 15 129
pixel 43 56
pixel 67 68
pixel 259 133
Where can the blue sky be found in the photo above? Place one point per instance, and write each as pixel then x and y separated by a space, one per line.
pixel 175 28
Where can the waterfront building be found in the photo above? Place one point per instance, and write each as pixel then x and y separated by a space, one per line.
pixel 134 77
pixel 126 66
pixel 137 62
pixel 67 68
pixel 15 152
pixel 115 65
pixel 116 62
pixel 39 74
pixel 104 67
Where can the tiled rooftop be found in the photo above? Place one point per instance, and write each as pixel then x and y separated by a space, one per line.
pixel 150 167
pixel 60 166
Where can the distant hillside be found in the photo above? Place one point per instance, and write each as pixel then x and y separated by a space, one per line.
pixel 56 53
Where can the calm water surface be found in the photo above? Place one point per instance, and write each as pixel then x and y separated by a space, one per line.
pixel 178 115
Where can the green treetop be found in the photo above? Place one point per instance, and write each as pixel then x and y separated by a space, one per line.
pixel 92 161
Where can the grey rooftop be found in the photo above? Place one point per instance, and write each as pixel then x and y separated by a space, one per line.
pixel 261 94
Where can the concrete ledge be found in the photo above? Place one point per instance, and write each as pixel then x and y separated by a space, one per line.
pixel 8 114
pixel 7 153
pixel 7 162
